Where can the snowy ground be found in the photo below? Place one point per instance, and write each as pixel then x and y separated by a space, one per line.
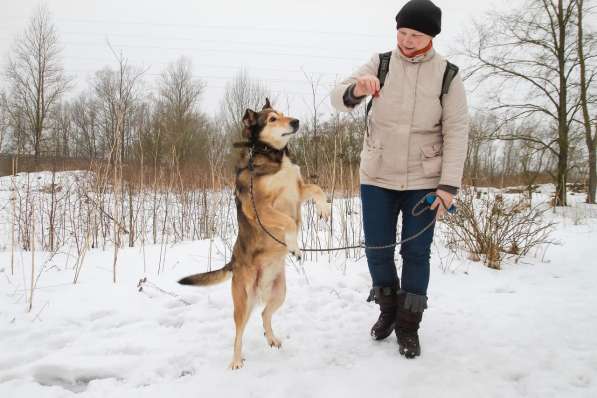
pixel 525 331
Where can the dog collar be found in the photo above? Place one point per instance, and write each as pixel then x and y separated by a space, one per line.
pixel 259 147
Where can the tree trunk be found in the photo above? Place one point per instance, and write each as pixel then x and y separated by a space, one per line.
pixel 592 169
pixel 131 216
pixel 560 199
pixel 36 146
pixel 562 176
pixel 584 86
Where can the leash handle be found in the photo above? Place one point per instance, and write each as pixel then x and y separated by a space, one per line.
pixel 430 198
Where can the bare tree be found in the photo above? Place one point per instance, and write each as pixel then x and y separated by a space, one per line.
pixel 219 144
pixel 530 54
pixel 4 120
pixel 481 129
pixel 116 95
pixel 35 75
pixel 116 92
pixel 178 99
pixel 86 135
pixel 531 158
pixel 587 82
pixel 313 125
pixel 61 130
pixel 16 139
pixel 240 94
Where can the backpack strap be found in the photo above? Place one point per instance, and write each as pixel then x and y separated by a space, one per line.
pixel 449 73
pixel 384 66
pixel 382 72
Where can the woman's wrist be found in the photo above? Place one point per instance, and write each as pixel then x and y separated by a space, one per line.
pixel 448 188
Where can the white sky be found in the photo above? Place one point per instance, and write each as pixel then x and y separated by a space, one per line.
pixel 274 40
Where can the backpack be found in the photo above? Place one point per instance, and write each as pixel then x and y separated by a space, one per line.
pixel 384 66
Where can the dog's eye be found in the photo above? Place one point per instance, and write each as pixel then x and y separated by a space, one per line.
pixel 272 119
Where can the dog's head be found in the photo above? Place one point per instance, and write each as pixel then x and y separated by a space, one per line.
pixel 269 126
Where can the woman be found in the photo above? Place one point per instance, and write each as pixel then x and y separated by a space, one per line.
pixel 415 145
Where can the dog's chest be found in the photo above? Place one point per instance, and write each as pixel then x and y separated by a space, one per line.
pixel 284 185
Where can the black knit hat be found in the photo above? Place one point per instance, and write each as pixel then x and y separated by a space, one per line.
pixel 420 15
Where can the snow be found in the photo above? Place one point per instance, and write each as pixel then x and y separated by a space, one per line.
pixel 527 330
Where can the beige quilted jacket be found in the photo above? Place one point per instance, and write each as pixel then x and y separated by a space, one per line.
pixel 413 142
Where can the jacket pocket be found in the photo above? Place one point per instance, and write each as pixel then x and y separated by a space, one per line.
pixel 431 159
pixel 371 160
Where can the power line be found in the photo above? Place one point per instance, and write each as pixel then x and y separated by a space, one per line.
pixel 207 77
pixel 244 28
pixel 279 92
pixel 211 51
pixel 323 86
pixel 196 40
pixel 203 51
pixel 235 27
pixel 217 66
pixel 199 65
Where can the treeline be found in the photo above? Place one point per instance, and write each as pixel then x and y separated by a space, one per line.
pixel 538 125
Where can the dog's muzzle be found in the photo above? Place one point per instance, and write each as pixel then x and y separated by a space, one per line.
pixel 295 126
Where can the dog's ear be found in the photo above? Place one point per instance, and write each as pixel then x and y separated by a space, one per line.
pixel 267 104
pixel 249 120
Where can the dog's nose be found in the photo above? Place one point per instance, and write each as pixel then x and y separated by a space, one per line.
pixel 295 124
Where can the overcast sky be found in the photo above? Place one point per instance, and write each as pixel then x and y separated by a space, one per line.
pixel 276 41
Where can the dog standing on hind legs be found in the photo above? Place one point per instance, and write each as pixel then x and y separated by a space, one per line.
pixel 268 195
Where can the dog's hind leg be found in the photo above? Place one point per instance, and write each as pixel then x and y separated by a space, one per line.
pixel 243 303
pixel 275 300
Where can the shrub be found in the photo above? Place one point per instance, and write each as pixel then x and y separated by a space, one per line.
pixel 489 226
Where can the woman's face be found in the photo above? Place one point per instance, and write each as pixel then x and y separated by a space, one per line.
pixel 411 41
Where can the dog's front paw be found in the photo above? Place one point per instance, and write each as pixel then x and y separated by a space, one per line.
pixel 296 253
pixel 325 211
pixel 292 246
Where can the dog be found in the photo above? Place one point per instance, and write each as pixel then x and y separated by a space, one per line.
pixel 268 194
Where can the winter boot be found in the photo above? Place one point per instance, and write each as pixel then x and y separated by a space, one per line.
pixel 408 317
pixel 387 300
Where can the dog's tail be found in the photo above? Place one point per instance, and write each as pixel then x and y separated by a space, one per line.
pixel 209 278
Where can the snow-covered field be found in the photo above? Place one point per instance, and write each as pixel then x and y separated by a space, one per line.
pixel 528 330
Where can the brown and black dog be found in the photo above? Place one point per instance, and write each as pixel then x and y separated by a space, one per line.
pixel 278 190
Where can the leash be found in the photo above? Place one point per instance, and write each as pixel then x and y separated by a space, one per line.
pixel 417 210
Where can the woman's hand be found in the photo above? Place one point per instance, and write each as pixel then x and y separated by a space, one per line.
pixel 366 85
pixel 447 199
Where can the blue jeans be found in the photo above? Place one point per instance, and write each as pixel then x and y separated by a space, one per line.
pixel 380 208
